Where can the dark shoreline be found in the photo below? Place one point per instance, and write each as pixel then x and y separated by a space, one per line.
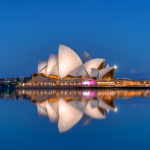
pixel 5 88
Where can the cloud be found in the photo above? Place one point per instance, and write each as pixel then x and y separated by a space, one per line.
pixel 136 71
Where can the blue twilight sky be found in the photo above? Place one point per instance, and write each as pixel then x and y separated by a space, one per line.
pixel 116 30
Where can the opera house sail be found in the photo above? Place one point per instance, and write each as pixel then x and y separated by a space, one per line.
pixel 68 69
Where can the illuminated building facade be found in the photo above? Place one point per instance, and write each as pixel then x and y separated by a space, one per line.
pixel 68 69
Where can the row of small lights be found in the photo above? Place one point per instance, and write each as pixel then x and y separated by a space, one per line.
pixel 65 83
pixel 53 83
pixel 79 83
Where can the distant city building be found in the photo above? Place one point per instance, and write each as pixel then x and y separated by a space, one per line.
pixel 7 82
pixel 21 78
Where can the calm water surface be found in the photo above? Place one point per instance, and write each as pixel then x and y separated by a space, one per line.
pixel 74 119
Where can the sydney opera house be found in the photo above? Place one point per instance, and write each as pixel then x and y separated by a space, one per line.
pixel 68 69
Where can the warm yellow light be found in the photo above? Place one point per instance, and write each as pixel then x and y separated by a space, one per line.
pixel 115 67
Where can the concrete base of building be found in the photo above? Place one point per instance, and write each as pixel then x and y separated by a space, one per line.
pixel 72 87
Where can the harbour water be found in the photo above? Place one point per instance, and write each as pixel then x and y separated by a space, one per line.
pixel 75 119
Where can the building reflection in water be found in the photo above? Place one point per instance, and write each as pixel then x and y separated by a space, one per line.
pixel 68 107
pixel 67 111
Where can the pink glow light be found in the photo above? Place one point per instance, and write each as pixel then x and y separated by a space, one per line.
pixel 89 94
pixel 86 83
pixel 89 82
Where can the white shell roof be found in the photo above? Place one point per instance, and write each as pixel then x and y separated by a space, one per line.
pixel 69 63
pixel 104 71
pixel 41 109
pixel 85 57
pixel 75 71
pixel 68 60
pixel 68 116
pixel 94 72
pixel 86 120
pixel 74 104
pixel 81 105
pixel 54 105
pixel 53 115
pixel 82 71
pixel 54 71
pixel 94 103
pixel 53 60
pixel 93 112
pixel 44 70
pixel 42 66
pixel 94 63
